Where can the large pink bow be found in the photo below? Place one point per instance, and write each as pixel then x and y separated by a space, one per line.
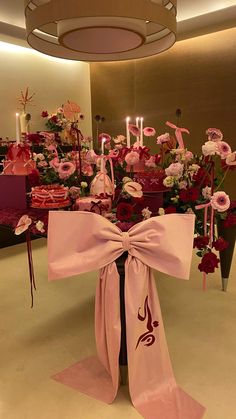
pixel 81 242
pixel 178 133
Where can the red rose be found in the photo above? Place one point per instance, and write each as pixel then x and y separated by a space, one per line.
pixel 44 114
pixel 189 195
pixel 209 262
pixel 34 138
pixel 202 177
pixel 170 210
pixel 124 211
pixel 54 119
pixel 200 242
pixel 220 244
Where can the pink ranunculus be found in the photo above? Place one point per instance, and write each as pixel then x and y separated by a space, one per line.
pixel 132 158
pixel 134 189
pixel 220 201
pixel 224 149
pixel 210 148
pixel 87 169
pixel 231 159
pixel 214 134
pixel 149 132
pixel 23 224
pixel 164 138
pixel 151 162
pixel 54 163
pixel 134 130
pixel 175 169
pixel 66 169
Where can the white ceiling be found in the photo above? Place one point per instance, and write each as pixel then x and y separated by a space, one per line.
pixel 204 14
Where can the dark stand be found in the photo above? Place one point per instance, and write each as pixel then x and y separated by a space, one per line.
pixel 120 263
pixel 226 256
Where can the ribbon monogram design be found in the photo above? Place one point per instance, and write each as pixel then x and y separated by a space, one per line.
pixel 147 338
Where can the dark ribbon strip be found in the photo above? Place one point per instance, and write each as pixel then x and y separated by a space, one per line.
pixel 31 267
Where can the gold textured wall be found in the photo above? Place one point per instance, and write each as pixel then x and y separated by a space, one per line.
pixel 197 75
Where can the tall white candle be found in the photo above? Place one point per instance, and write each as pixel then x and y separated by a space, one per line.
pixel 127 132
pixel 137 125
pixel 18 129
pixel 91 144
pixel 141 132
pixel 103 142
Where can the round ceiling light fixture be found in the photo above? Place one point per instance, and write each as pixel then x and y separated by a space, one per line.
pixel 104 30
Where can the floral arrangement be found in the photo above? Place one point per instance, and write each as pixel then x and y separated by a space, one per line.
pixel 142 184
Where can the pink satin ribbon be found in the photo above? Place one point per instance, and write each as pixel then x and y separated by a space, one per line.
pixel 178 133
pixel 81 242
pixel 206 207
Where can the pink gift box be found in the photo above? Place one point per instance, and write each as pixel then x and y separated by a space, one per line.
pixel 13 190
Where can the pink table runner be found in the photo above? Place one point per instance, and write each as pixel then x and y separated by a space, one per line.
pixel 81 242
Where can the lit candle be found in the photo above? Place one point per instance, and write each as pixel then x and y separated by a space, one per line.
pixel 137 125
pixel 18 129
pixel 127 132
pixel 103 142
pixel 141 132
pixel 91 144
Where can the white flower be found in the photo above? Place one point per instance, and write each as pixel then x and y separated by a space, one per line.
pixel 126 179
pixel 190 211
pixel 161 211
pixel 146 213
pixel 40 226
pixel 133 189
pixel 231 159
pixel 169 181
pixel 119 139
pixel 183 184
pixel 210 148
pixel 83 185
pixel 206 192
pixel 175 169
pixel 194 168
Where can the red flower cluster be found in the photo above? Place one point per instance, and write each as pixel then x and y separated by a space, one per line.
pixel 44 114
pixel 170 210
pixel 124 211
pixel 202 177
pixel 209 262
pixel 200 242
pixel 220 244
pixel 189 195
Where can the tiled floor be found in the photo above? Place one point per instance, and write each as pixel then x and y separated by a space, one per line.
pixel 36 343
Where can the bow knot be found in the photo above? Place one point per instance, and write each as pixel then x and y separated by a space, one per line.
pixel 126 241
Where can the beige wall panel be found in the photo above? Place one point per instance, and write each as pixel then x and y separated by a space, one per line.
pixel 197 75
pixel 54 81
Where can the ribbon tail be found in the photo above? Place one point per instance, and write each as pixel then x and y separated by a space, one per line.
pixel 153 388
pixel 98 377
pixel 179 138
pixel 31 267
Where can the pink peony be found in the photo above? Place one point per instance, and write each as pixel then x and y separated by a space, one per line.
pixel 54 163
pixel 149 132
pixel 134 130
pixel 132 158
pixel 23 224
pixel 214 134
pixel 175 169
pixel 164 138
pixel 87 169
pixel 224 149
pixel 66 169
pixel 220 201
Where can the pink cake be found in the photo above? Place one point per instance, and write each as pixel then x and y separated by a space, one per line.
pixel 93 204
pixel 18 161
pixel 49 196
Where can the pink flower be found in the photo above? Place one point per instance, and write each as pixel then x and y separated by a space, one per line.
pixel 23 224
pixel 164 138
pixel 105 136
pixel 151 162
pixel 214 134
pixel 210 148
pixel 132 158
pixel 54 163
pixel 220 201
pixel 231 159
pixel 74 192
pixel 188 155
pixel 149 132
pixel 224 149
pixel 87 169
pixel 175 169
pixel 133 189
pixel 134 130
pixel 66 169
pixel 42 163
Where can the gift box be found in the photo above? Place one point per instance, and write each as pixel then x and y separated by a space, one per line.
pixel 13 191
